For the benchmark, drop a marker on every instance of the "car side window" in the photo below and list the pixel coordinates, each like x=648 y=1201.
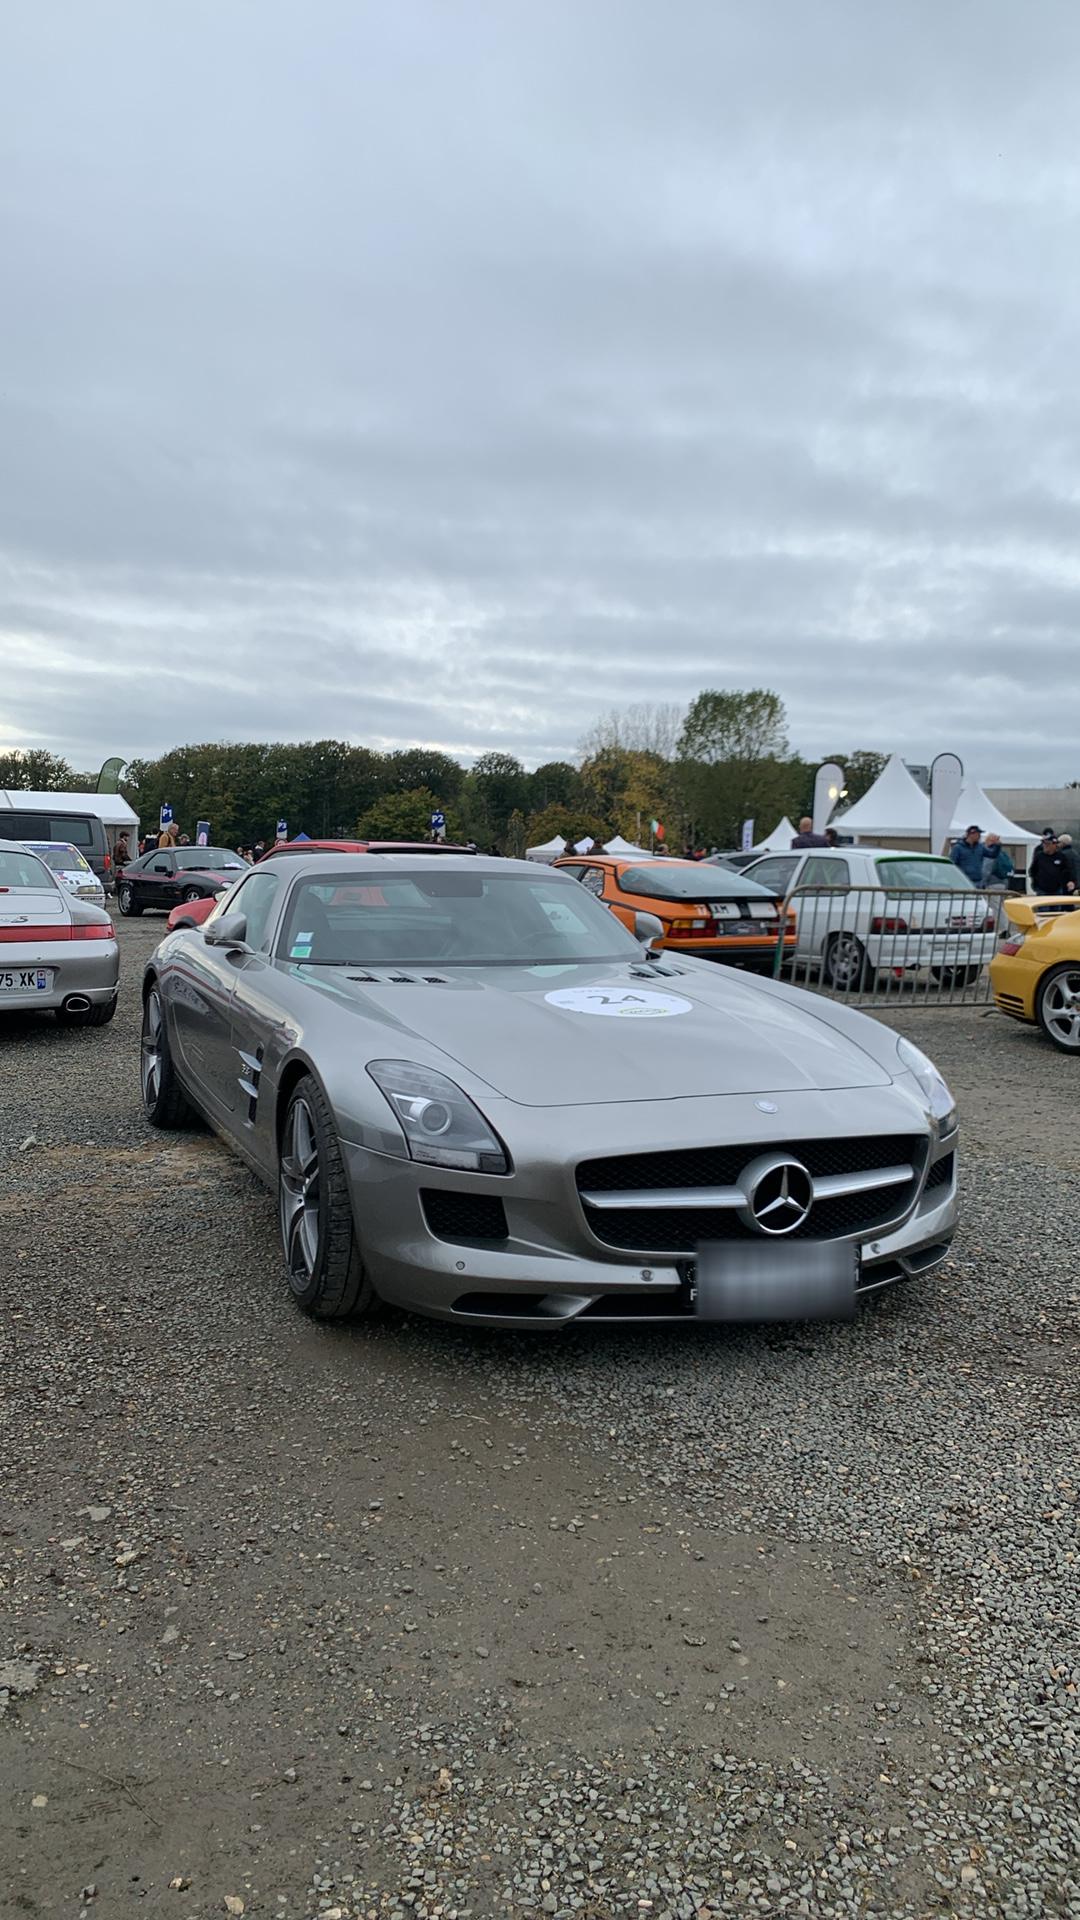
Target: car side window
x=777 y=873
x=593 y=880
x=574 y=873
x=825 y=873
x=162 y=863
x=256 y=898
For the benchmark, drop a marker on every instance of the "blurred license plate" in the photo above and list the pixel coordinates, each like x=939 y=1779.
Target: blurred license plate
x=25 y=980
x=793 y=1281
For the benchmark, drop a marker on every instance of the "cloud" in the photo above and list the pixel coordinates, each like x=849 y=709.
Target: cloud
x=449 y=375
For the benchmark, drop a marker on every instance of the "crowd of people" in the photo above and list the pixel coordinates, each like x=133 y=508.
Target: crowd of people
x=1054 y=869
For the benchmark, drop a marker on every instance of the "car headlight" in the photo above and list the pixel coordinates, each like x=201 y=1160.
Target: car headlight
x=441 y=1125
x=938 y=1096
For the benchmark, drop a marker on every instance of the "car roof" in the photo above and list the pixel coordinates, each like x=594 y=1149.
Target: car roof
x=23 y=846
x=437 y=847
x=329 y=862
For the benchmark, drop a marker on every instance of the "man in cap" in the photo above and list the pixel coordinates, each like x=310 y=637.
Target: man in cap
x=1050 y=870
x=969 y=853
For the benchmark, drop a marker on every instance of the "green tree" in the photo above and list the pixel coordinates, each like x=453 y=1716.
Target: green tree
x=497 y=786
x=734 y=726
x=570 y=823
x=409 y=768
x=404 y=816
x=555 y=784
x=36 y=770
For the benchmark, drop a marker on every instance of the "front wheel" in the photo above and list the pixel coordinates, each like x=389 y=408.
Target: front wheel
x=322 y=1258
x=1057 y=1007
x=164 y=1100
x=845 y=964
x=125 y=900
x=189 y=894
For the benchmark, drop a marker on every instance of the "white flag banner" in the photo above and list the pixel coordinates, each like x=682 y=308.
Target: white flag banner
x=747 y=836
x=828 y=790
x=946 y=782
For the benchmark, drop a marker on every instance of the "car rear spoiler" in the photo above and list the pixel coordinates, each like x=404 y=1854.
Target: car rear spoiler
x=1027 y=910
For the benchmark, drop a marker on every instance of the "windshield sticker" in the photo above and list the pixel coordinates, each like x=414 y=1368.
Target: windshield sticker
x=619 y=1003
x=301 y=948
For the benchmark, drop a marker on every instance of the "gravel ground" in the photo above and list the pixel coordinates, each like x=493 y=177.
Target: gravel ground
x=413 y=1621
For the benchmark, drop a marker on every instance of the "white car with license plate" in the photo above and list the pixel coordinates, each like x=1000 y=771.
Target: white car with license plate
x=72 y=871
x=866 y=910
x=57 y=953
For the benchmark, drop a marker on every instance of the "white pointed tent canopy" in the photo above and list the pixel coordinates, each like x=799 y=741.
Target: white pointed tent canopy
x=625 y=850
x=894 y=808
x=973 y=809
x=550 y=850
x=779 y=840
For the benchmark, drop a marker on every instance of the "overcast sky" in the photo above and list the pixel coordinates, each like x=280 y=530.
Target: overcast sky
x=433 y=372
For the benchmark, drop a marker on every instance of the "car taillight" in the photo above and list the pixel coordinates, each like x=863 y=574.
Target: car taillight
x=108 y=863
x=93 y=932
x=1012 y=946
x=685 y=929
x=989 y=923
x=885 y=925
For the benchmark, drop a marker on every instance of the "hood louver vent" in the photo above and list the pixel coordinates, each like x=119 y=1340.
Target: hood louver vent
x=401 y=979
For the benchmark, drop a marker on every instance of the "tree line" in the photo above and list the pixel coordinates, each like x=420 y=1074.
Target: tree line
x=700 y=772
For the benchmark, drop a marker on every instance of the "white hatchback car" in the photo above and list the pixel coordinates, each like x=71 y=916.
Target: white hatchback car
x=873 y=909
x=72 y=871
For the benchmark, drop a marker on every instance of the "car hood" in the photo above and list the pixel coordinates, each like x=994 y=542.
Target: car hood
x=564 y=1036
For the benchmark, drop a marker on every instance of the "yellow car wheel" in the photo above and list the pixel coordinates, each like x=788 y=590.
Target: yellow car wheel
x=1057 y=1006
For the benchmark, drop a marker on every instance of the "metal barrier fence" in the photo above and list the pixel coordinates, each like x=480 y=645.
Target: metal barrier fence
x=875 y=947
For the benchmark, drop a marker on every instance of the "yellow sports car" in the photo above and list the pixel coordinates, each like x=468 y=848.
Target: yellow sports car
x=1035 y=973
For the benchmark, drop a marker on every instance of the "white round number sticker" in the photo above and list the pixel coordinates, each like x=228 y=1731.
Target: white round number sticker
x=619 y=1003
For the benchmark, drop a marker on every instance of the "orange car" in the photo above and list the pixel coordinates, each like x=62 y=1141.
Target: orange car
x=710 y=911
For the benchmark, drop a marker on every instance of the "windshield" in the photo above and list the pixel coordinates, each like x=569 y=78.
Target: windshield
x=690 y=883
x=19 y=870
x=62 y=859
x=449 y=919
x=941 y=875
x=208 y=859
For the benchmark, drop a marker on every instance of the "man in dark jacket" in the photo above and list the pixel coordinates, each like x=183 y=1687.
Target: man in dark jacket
x=969 y=853
x=1050 y=870
x=806 y=837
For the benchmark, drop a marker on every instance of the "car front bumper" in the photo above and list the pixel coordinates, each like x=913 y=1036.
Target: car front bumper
x=549 y=1270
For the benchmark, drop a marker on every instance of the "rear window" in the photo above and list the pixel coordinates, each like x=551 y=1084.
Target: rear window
x=917 y=874
x=19 y=870
x=657 y=882
x=63 y=859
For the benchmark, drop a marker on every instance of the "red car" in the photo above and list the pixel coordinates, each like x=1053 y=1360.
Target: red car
x=192 y=913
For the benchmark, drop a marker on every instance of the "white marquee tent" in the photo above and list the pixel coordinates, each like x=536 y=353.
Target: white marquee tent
x=779 y=840
x=894 y=808
x=974 y=809
x=550 y=850
x=625 y=850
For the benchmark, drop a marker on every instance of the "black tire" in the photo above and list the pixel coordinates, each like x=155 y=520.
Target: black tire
x=845 y=966
x=98 y=1016
x=125 y=900
x=1057 y=1007
x=956 y=976
x=165 y=1103
x=322 y=1259
x=189 y=894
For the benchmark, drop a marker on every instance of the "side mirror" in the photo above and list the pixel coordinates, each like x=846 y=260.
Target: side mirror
x=229 y=931
x=648 y=929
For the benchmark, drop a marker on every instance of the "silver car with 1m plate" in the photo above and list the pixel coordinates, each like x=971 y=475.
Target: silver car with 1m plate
x=478 y=1096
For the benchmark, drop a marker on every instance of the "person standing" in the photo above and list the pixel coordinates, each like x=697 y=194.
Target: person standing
x=1070 y=857
x=121 y=851
x=997 y=864
x=969 y=854
x=1049 y=872
x=806 y=837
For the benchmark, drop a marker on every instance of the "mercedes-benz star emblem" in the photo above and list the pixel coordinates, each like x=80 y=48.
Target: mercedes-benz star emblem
x=779 y=1194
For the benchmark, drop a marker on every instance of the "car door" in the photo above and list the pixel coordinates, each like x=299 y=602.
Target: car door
x=200 y=984
x=256 y=1014
x=156 y=886
x=834 y=907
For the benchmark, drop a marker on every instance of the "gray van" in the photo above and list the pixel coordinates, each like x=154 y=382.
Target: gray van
x=83 y=830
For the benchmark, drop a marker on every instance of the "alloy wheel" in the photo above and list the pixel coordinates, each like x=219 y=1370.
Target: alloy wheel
x=1061 y=1009
x=301 y=1195
x=151 y=1049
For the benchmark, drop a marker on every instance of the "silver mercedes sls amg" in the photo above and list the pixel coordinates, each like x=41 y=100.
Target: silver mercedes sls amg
x=478 y=1096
